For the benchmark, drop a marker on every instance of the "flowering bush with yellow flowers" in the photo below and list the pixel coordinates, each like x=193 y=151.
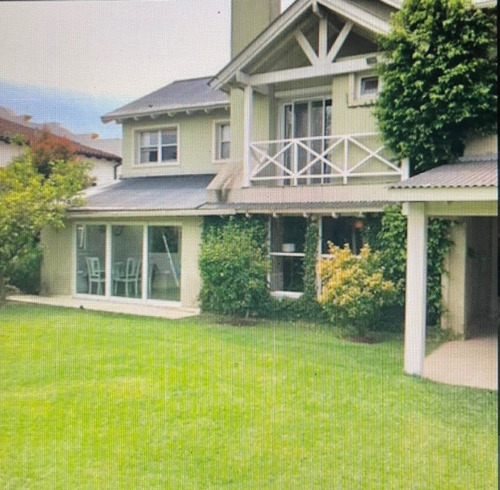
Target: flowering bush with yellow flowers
x=353 y=289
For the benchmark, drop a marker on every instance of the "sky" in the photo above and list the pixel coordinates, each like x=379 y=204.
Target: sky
x=73 y=61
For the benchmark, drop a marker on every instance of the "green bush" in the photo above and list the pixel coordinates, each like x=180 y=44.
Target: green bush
x=26 y=271
x=354 y=291
x=386 y=234
x=234 y=267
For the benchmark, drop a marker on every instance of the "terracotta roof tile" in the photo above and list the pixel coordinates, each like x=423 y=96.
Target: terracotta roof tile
x=9 y=129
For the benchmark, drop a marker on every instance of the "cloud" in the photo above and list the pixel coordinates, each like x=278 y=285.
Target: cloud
x=109 y=49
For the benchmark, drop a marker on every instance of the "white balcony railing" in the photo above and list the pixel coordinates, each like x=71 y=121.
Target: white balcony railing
x=321 y=160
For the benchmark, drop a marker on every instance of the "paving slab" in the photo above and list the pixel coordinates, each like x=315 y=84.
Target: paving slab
x=472 y=363
x=168 y=312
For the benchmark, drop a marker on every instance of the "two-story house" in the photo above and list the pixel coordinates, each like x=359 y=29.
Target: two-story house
x=284 y=130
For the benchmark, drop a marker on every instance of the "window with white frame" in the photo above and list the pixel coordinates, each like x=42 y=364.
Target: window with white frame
x=287 y=247
x=159 y=146
x=222 y=140
x=368 y=86
x=363 y=88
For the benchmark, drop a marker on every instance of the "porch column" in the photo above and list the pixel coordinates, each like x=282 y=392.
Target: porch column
x=416 y=285
x=247 y=132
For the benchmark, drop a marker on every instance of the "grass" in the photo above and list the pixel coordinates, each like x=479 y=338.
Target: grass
x=91 y=400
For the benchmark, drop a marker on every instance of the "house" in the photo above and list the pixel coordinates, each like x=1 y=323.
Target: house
x=13 y=130
x=286 y=130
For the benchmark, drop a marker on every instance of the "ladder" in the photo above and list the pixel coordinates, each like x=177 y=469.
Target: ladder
x=170 y=261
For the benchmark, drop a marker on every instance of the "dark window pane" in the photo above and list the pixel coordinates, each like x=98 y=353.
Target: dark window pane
x=169 y=154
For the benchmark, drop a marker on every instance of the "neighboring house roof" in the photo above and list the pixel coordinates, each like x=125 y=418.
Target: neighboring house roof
x=9 y=129
x=181 y=95
x=472 y=171
x=182 y=192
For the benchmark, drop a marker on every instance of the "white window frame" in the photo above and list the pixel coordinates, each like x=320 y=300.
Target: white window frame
x=108 y=294
x=158 y=163
x=217 y=140
x=355 y=96
x=370 y=94
x=280 y=120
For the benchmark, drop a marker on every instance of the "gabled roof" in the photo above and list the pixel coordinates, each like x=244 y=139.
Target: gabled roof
x=10 y=129
x=368 y=14
x=468 y=172
x=181 y=95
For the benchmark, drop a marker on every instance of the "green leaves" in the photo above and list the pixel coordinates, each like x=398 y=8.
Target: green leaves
x=233 y=266
x=439 y=80
x=30 y=200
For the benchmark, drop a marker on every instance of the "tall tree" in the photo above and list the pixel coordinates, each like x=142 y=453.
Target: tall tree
x=439 y=80
x=29 y=200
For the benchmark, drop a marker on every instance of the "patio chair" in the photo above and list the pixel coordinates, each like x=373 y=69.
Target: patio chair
x=95 y=274
x=130 y=275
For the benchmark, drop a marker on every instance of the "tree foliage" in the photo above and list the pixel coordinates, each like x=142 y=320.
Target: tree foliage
x=29 y=200
x=439 y=80
x=48 y=147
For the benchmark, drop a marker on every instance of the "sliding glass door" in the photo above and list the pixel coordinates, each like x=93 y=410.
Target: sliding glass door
x=164 y=263
x=129 y=261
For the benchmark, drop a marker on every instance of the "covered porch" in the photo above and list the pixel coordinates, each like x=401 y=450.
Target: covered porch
x=466 y=193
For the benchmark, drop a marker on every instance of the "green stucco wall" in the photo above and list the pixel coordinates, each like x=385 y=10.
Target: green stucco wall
x=57 y=276
x=248 y=19
x=195 y=144
x=349 y=116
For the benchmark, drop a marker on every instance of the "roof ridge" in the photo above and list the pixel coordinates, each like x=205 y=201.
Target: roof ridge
x=9 y=128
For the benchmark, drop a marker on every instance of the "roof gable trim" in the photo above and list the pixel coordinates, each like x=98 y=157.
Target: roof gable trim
x=352 y=14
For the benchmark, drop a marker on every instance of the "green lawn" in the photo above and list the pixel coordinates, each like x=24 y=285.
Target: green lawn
x=91 y=400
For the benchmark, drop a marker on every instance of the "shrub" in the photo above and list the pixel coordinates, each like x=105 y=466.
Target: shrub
x=234 y=267
x=386 y=234
x=354 y=291
x=25 y=274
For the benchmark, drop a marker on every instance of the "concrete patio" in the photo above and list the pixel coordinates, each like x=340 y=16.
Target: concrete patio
x=127 y=308
x=472 y=363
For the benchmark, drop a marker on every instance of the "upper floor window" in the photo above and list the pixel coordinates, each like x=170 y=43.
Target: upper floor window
x=222 y=140
x=368 y=86
x=363 y=89
x=159 y=146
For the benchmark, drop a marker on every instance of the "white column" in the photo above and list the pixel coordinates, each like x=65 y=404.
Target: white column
x=108 y=285
x=247 y=132
x=145 y=292
x=416 y=284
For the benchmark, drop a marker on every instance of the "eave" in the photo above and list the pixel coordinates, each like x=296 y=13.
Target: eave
x=170 y=111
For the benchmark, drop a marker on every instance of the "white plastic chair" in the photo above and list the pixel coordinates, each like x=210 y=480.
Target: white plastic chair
x=95 y=274
x=131 y=275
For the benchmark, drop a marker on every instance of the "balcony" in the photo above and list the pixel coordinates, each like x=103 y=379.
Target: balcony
x=322 y=160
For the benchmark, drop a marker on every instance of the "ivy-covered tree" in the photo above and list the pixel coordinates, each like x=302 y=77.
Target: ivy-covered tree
x=439 y=80
x=29 y=200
